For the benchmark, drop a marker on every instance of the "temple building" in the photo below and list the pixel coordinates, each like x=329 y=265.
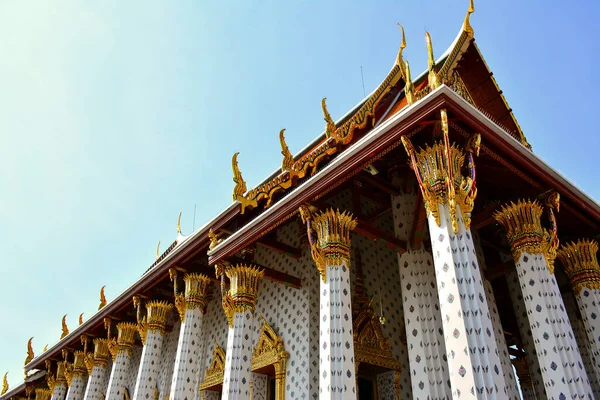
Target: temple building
x=417 y=249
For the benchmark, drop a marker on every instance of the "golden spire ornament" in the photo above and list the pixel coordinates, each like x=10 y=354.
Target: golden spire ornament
x=4 y=384
x=467 y=24
x=30 y=353
x=288 y=159
x=102 y=299
x=330 y=124
x=45 y=348
x=65 y=329
x=432 y=77
x=158 y=250
x=81 y=319
x=399 y=60
x=179 y=224
x=240 y=185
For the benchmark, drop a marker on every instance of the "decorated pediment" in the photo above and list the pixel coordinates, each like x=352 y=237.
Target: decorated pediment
x=270 y=349
x=216 y=370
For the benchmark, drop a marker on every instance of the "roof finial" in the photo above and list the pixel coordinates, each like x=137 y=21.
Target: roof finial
x=240 y=185
x=467 y=24
x=409 y=88
x=102 y=299
x=30 y=353
x=402 y=47
x=4 y=385
x=45 y=348
x=179 y=224
x=288 y=159
x=65 y=329
x=157 y=249
x=432 y=78
x=330 y=127
x=81 y=319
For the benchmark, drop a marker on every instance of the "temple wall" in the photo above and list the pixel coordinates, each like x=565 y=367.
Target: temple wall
x=169 y=353
x=106 y=377
x=133 y=369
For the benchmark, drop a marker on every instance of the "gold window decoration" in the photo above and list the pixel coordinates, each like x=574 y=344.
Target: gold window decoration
x=270 y=351
x=216 y=371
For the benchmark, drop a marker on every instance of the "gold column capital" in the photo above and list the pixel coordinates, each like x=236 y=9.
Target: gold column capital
x=581 y=264
x=78 y=367
x=439 y=172
x=522 y=222
x=125 y=339
x=101 y=352
x=157 y=314
x=333 y=238
x=43 y=394
x=243 y=289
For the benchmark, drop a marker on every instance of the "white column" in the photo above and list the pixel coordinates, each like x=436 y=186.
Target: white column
x=581 y=265
x=534 y=249
x=95 y=388
x=473 y=359
x=511 y=390
x=422 y=318
x=191 y=307
x=153 y=328
x=76 y=375
x=239 y=304
x=532 y=381
x=329 y=237
x=122 y=353
x=60 y=391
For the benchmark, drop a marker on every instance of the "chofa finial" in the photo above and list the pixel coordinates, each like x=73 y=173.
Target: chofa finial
x=81 y=319
x=240 y=185
x=467 y=24
x=179 y=224
x=4 y=384
x=65 y=329
x=432 y=78
x=330 y=127
x=158 y=250
x=402 y=47
x=288 y=159
x=30 y=353
x=102 y=299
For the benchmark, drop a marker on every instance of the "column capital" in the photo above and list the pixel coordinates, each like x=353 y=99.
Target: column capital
x=581 y=264
x=439 y=172
x=43 y=394
x=523 y=224
x=77 y=369
x=329 y=236
x=156 y=317
x=196 y=292
x=243 y=289
x=101 y=352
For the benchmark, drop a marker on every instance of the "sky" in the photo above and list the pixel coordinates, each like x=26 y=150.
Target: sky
x=116 y=116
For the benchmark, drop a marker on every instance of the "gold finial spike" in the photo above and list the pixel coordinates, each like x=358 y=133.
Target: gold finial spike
x=102 y=298
x=30 y=353
x=467 y=24
x=330 y=127
x=409 y=88
x=402 y=47
x=81 y=319
x=288 y=159
x=240 y=185
x=65 y=329
x=179 y=224
x=4 y=384
x=433 y=79
x=158 y=250
x=45 y=348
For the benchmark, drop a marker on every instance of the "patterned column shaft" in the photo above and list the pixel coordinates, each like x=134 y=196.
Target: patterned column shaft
x=153 y=328
x=581 y=265
x=471 y=348
x=511 y=390
x=121 y=352
x=424 y=331
x=95 y=388
x=76 y=375
x=582 y=340
x=329 y=237
x=534 y=249
x=191 y=307
x=58 y=384
x=531 y=379
x=239 y=304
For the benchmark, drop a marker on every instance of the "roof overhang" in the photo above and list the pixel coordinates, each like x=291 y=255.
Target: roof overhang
x=387 y=135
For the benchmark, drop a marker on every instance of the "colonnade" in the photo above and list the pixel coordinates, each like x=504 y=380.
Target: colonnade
x=454 y=336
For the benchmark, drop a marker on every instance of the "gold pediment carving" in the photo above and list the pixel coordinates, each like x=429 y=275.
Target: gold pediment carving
x=270 y=350
x=216 y=370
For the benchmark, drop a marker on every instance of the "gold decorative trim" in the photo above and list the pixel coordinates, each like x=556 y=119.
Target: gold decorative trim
x=581 y=264
x=142 y=325
x=335 y=138
x=216 y=370
x=522 y=222
x=439 y=172
x=270 y=350
x=329 y=236
x=243 y=290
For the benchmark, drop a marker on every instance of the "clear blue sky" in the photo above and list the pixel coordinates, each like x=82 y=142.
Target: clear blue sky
x=115 y=116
